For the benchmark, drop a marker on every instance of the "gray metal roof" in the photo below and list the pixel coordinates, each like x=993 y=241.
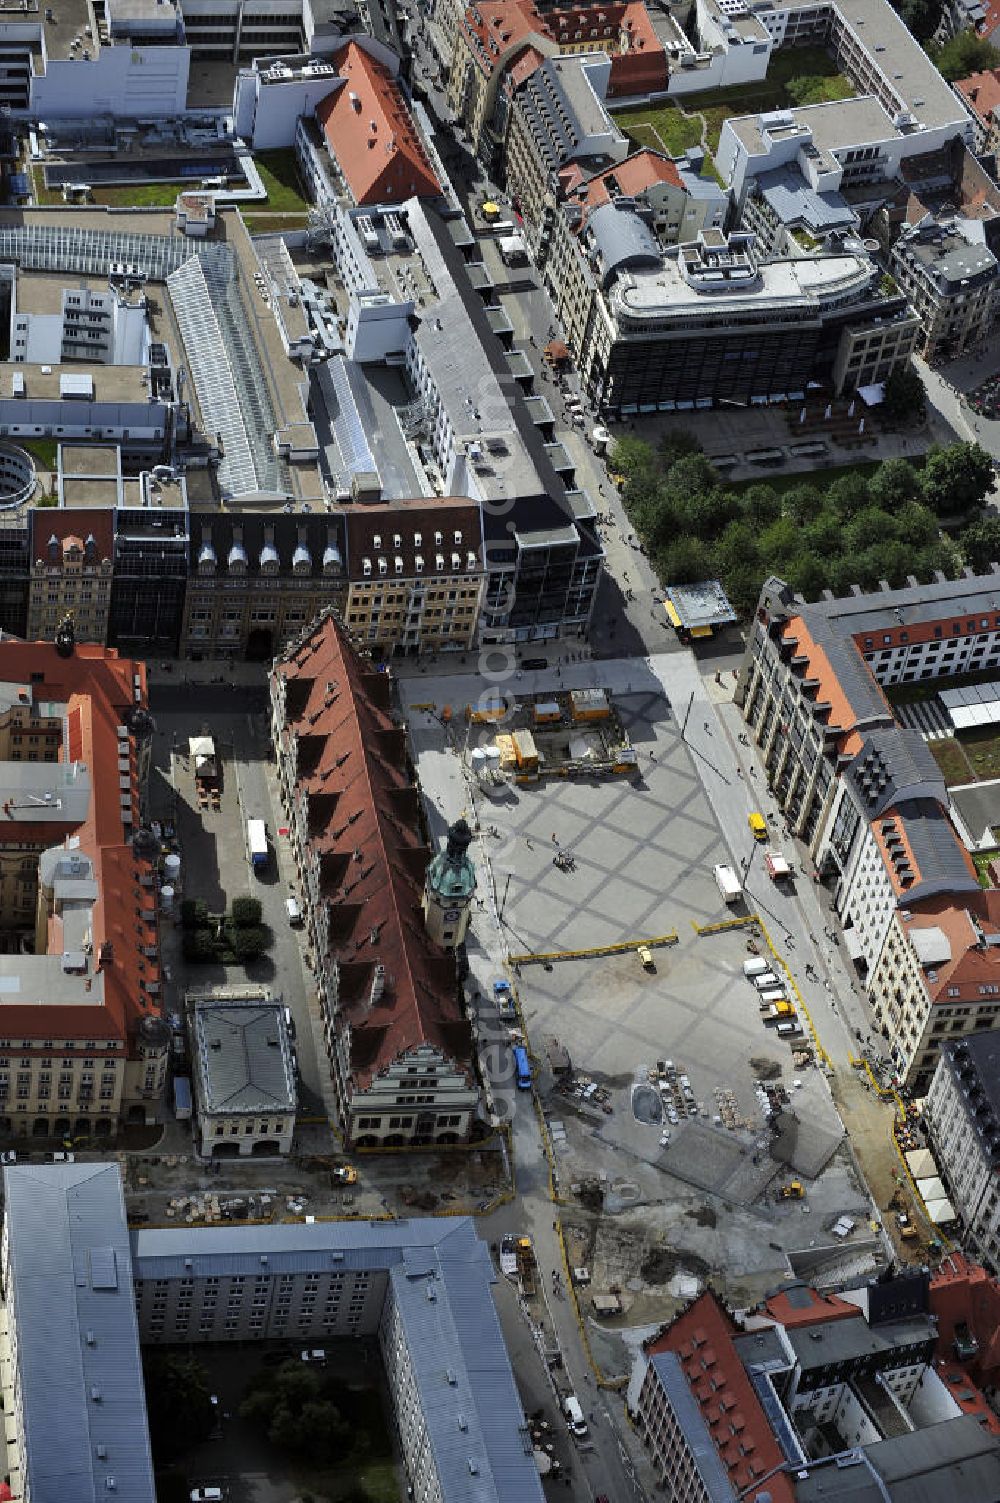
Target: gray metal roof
x=77 y=1339
x=974 y=1065
x=794 y=201
x=956 y=1458
x=468 y=1396
x=623 y=238
x=893 y=764
x=941 y=862
x=856 y=1340
x=711 y=1473
x=243 y=1058
x=162 y=1252
x=454 y=1335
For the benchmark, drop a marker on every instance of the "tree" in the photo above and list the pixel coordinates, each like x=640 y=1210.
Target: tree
x=675 y=444
x=848 y=494
x=707 y=513
x=781 y=541
x=633 y=457
x=685 y=561
x=867 y=528
x=246 y=911
x=248 y=942
x=198 y=946
x=802 y=503
x=917 y=525
x=965 y=54
x=737 y=548
x=179 y=1404
x=905 y=398
x=824 y=535
x=920 y=16
x=761 y=504
x=807 y=574
x=957 y=479
x=194 y=913
x=980 y=543
x=294 y=1409
x=894 y=483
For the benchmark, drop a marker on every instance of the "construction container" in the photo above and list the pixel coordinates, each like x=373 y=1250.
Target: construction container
x=547 y=712
x=589 y=704
x=525 y=751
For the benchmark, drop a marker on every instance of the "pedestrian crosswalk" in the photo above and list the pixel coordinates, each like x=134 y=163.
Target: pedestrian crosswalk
x=929 y=717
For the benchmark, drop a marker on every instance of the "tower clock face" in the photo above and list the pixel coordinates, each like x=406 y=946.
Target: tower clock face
x=452 y=915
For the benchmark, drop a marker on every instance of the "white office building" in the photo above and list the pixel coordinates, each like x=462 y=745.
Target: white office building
x=962 y=1112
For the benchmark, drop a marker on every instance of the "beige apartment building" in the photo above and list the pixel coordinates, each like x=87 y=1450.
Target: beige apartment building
x=416 y=575
x=72 y=561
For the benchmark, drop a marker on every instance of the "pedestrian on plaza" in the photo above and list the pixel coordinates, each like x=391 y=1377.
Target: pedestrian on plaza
x=555 y=838
x=528 y=842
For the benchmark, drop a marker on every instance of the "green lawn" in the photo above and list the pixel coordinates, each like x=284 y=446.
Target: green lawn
x=818 y=478
x=982 y=748
x=280 y=175
x=42 y=450
x=797 y=75
x=666 y=128
x=140 y=195
x=272 y=224
x=981 y=861
x=951 y=760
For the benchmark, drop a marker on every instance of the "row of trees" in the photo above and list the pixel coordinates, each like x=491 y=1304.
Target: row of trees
x=859 y=529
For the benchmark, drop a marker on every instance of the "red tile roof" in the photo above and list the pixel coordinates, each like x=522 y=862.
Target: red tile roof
x=372 y=135
x=365 y=821
x=981 y=92
x=810 y=1307
x=97 y=691
x=628 y=179
x=79 y=522
x=964 y=1294
x=642 y=66
x=495 y=27
x=702 y=1338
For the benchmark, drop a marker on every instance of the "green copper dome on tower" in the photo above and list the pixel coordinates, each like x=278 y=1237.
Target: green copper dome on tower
x=451 y=874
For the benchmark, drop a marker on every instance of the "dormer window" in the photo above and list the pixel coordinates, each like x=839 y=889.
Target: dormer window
x=377 y=540
x=418 y=564
x=470 y=560
x=366 y=567
x=383 y=566
x=397 y=540
x=399 y=564
x=458 y=539
x=438 y=539
x=418 y=540
x=439 y=562
x=456 y=561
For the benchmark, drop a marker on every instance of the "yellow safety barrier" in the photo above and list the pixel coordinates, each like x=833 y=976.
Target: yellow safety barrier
x=720 y=928
x=430 y=706
x=602 y=1381
x=820 y=1051
x=536 y=957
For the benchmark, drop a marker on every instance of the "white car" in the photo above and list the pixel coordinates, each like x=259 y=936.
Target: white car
x=206 y=1495
x=315 y=1354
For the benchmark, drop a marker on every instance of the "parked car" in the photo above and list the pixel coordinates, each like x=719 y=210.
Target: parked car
x=316 y=1354
x=294 y=912
x=206 y=1495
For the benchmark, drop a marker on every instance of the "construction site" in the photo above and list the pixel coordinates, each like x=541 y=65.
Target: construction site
x=564 y=734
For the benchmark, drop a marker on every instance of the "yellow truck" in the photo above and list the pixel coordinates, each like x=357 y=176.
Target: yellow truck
x=758 y=826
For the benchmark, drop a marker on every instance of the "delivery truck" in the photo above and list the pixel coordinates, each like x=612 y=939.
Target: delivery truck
x=257 y=844
x=727 y=883
x=777 y=867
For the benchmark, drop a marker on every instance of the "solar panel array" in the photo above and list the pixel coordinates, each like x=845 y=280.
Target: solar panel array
x=212 y=375
x=972 y=705
x=347 y=426
x=92 y=252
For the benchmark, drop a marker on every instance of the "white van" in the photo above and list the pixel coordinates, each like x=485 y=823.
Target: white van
x=765 y=981
x=574 y=1415
x=294 y=912
x=754 y=967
